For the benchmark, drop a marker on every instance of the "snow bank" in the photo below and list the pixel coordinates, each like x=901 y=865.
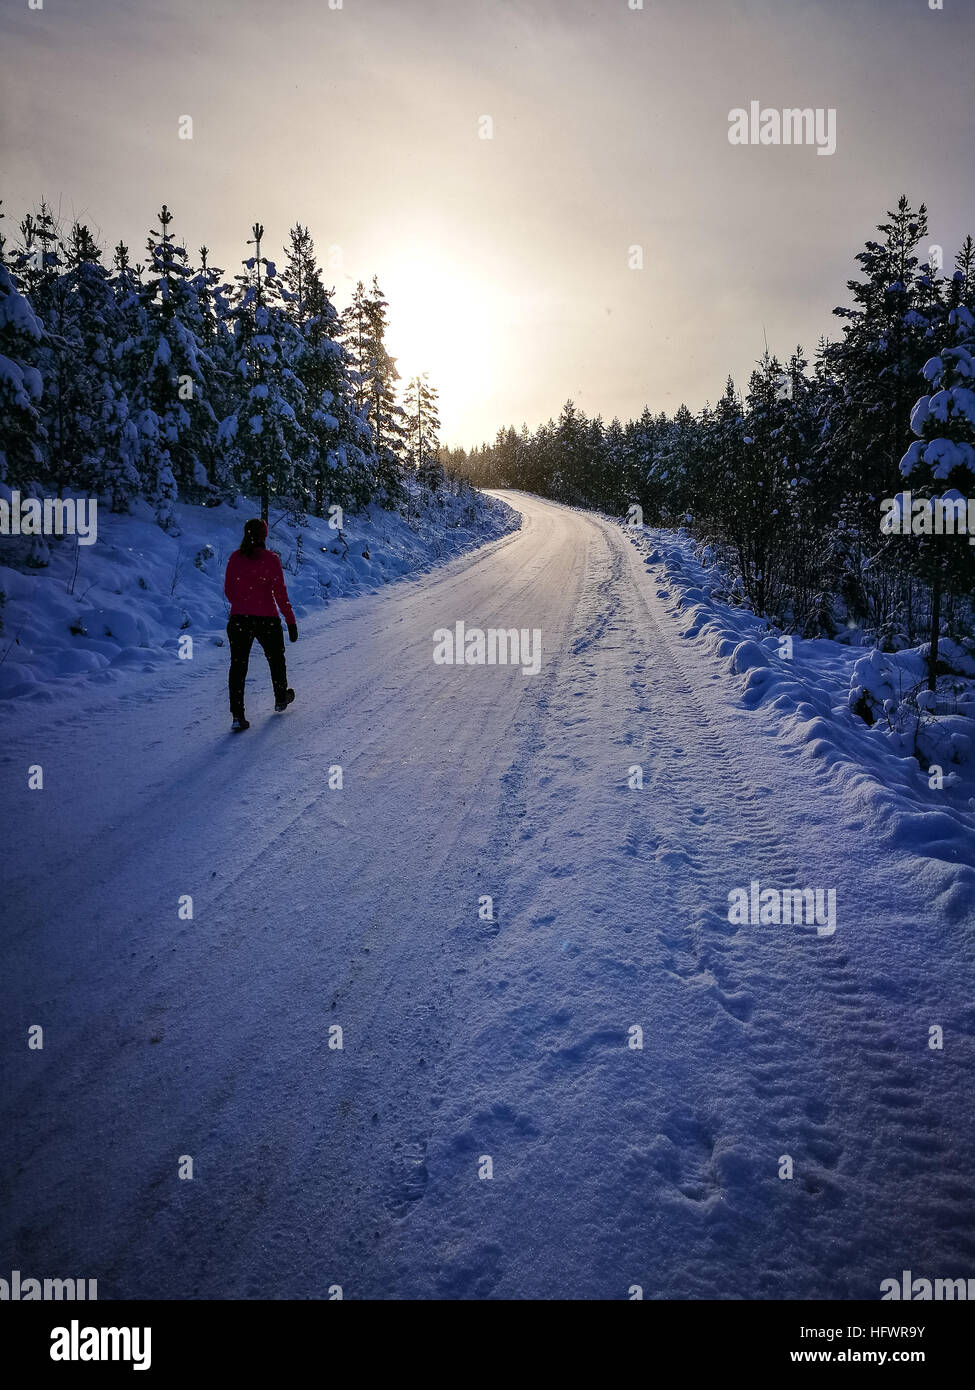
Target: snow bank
x=122 y=604
x=910 y=773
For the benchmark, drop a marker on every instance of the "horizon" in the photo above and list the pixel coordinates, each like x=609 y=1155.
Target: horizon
x=506 y=261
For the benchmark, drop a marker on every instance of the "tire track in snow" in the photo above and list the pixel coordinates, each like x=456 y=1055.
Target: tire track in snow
x=611 y=1166
x=892 y=1097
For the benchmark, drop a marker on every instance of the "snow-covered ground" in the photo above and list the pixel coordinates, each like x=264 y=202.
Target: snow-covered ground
x=99 y=612
x=608 y=806
x=911 y=772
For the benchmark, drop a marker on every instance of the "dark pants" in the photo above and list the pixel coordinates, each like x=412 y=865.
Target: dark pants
x=242 y=630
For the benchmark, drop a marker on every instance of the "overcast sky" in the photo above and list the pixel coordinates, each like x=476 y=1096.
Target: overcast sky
x=505 y=260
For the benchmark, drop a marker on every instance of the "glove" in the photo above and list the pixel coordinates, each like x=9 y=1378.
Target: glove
x=293 y=631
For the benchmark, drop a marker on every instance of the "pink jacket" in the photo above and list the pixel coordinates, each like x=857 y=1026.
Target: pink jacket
x=255 y=586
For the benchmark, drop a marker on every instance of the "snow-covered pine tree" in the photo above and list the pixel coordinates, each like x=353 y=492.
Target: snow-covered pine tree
x=873 y=370
x=595 y=460
x=21 y=384
x=718 y=505
x=122 y=476
x=39 y=266
x=506 y=461
x=355 y=336
x=38 y=259
x=211 y=293
x=365 y=325
x=301 y=281
x=940 y=464
x=807 y=514
x=262 y=434
x=99 y=404
x=763 y=485
x=211 y=297
x=571 y=449
x=169 y=369
x=675 y=460
x=422 y=407
x=339 y=439
x=543 y=460
x=640 y=445
x=961 y=288
x=615 y=490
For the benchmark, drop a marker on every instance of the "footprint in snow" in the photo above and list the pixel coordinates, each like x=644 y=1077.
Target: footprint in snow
x=408 y=1177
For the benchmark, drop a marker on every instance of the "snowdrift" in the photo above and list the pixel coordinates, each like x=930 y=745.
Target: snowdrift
x=909 y=775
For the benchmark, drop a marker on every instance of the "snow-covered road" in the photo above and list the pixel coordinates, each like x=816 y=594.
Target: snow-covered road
x=466 y=1039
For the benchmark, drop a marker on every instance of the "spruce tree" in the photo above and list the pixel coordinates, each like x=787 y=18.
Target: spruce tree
x=40 y=265
x=874 y=367
x=166 y=370
x=335 y=426
x=21 y=385
x=210 y=291
x=421 y=404
x=374 y=380
x=100 y=404
x=940 y=465
x=262 y=435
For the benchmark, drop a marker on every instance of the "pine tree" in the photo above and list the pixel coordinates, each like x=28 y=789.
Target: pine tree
x=421 y=403
x=615 y=482
x=722 y=464
x=961 y=290
x=20 y=382
x=100 y=409
x=262 y=435
x=374 y=381
x=886 y=339
x=641 y=439
x=810 y=550
x=167 y=370
x=595 y=461
x=567 y=477
x=40 y=265
x=764 y=487
x=940 y=463
x=506 y=466
x=213 y=307
x=338 y=461
x=123 y=479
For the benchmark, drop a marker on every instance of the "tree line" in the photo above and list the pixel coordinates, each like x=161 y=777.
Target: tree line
x=785 y=480
x=162 y=379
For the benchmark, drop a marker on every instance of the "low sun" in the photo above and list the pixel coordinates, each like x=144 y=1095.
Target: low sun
x=443 y=323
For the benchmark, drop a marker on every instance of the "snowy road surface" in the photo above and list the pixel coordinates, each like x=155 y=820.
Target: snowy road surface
x=466 y=1039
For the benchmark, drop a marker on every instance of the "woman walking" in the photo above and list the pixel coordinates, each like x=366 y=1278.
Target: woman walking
x=254 y=584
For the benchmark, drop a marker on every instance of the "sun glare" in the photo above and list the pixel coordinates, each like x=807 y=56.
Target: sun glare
x=442 y=322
